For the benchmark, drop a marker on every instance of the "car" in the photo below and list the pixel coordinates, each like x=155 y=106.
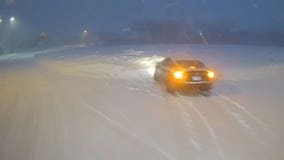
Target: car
x=184 y=74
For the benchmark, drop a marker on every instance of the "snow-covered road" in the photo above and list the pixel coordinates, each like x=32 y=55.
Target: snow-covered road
x=80 y=103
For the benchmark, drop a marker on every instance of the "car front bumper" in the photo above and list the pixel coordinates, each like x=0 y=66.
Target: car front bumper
x=197 y=83
x=191 y=85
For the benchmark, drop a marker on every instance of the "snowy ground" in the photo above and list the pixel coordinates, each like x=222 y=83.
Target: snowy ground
x=78 y=103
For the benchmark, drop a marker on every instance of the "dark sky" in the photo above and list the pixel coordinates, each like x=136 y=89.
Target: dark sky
x=70 y=16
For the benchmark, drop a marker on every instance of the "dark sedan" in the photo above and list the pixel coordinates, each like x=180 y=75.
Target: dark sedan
x=184 y=74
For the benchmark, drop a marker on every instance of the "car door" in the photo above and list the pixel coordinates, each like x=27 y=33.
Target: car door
x=165 y=68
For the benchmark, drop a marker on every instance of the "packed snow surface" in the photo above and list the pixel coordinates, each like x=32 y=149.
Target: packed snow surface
x=86 y=103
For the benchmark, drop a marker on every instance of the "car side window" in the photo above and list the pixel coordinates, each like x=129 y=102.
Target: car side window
x=168 y=62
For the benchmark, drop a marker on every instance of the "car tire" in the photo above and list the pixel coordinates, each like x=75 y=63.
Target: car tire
x=170 y=88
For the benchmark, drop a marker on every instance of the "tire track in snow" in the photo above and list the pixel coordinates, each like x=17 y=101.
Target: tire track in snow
x=126 y=130
x=241 y=120
x=190 y=126
x=211 y=131
x=250 y=115
x=237 y=117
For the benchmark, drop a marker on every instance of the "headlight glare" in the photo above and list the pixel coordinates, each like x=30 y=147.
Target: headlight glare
x=178 y=74
x=210 y=74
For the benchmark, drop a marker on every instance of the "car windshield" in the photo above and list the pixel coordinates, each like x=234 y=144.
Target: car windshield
x=190 y=63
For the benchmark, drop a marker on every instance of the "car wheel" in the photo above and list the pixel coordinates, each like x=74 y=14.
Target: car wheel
x=170 y=88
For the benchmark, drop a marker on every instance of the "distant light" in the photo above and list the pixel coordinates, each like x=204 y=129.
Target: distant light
x=12 y=19
x=254 y=5
x=85 y=31
x=10 y=1
x=0 y=20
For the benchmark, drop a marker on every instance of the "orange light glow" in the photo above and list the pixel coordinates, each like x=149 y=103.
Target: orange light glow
x=179 y=74
x=210 y=74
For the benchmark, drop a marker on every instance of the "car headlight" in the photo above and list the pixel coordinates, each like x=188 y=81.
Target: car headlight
x=210 y=74
x=179 y=74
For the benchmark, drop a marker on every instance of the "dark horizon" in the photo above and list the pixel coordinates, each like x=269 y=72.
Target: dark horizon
x=112 y=16
x=113 y=20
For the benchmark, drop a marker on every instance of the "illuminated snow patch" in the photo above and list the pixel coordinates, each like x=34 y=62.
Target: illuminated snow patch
x=151 y=70
x=132 y=52
x=16 y=56
x=148 y=63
